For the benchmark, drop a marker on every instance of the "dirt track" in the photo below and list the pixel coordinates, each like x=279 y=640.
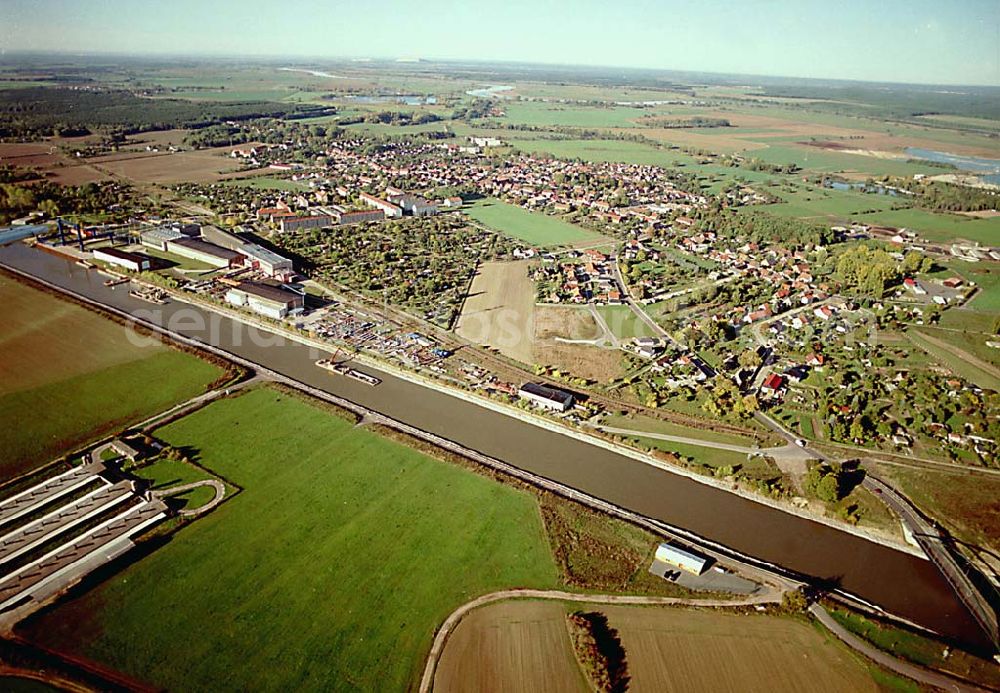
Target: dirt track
x=441 y=637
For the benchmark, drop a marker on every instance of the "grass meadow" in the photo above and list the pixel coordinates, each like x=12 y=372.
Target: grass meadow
x=530 y=227
x=331 y=569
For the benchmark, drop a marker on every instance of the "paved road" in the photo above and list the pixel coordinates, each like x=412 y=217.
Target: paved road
x=789 y=450
x=441 y=637
x=220 y=494
x=608 y=335
x=933 y=543
x=910 y=671
x=930 y=539
x=637 y=309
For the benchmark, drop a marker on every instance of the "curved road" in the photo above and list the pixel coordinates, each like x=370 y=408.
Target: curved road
x=789 y=450
x=933 y=543
x=910 y=671
x=220 y=494
x=441 y=637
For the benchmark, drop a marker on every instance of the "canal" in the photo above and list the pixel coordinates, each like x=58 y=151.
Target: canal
x=899 y=582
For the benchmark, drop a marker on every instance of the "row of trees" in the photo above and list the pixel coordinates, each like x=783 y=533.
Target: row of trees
x=695 y=122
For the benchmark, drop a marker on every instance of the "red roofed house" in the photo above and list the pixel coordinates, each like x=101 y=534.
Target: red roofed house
x=773 y=382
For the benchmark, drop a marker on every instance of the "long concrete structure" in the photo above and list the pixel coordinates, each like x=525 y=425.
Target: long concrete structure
x=46 y=491
x=33 y=534
x=30 y=585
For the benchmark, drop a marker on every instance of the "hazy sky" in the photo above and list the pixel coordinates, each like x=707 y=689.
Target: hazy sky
x=927 y=41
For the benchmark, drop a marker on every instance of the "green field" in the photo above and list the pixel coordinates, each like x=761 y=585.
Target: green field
x=540 y=113
x=266 y=183
x=943 y=228
x=164 y=473
x=960 y=366
x=604 y=150
x=623 y=322
x=68 y=376
x=836 y=205
x=807 y=201
x=703 y=455
x=331 y=569
x=987 y=276
x=398 y=130
x=827 y=161
x=531 y=227
x=645 y=423
x=971 y=342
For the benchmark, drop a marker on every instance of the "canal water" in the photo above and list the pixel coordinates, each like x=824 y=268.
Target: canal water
x=987 y=169
x=901 y=583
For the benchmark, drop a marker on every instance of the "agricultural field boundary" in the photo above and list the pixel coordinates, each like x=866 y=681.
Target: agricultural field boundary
x=771 y=596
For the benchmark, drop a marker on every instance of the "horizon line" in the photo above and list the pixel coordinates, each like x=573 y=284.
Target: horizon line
x=415 y=60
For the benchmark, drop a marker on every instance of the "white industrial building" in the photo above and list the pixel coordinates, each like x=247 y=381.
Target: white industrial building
x=266 y=261
x=122 y=258
x=203 y=251
x=546 y=397
x=411 y=204
x=159 y=237
x=681 y=558
x=254 y=256
x=266 y=299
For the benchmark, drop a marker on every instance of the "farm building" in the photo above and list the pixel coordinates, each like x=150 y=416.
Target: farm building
x=203 y=251
x=274 y=301
x=122 y=258
x=546 y=397
x=681 y=558
x=773 y=382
